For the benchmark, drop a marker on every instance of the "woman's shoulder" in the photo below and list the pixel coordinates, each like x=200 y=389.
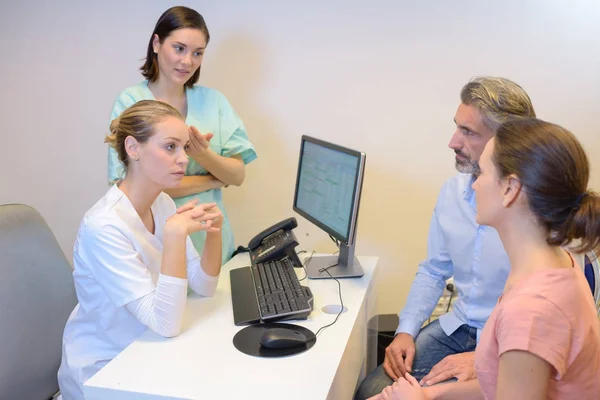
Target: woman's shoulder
x=135 y=93
x=562 y=290
x=129 y=97
x=205 y=93
x=104 y=213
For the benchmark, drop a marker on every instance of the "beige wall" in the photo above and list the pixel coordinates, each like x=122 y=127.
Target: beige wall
x=381 y=77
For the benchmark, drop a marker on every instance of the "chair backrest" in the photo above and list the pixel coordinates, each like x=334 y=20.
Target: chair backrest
x=592 y=273
x=36 y=297
x=591 y=268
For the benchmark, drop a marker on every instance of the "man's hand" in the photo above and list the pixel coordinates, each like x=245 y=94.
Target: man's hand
x=460 y=366
x=399 y=356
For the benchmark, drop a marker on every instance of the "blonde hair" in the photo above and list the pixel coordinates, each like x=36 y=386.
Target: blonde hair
x=499 y=100
x=138 y=122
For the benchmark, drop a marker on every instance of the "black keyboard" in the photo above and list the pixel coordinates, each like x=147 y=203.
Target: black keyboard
x=268 y=291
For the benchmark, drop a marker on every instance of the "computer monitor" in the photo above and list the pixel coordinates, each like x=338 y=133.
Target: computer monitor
x=328 y=187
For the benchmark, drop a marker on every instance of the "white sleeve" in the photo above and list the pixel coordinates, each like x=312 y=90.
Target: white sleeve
x=112 y=259
x=200 y=282
x=162 y=310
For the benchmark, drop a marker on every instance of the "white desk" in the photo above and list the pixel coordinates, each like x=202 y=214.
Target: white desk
x=202 y=363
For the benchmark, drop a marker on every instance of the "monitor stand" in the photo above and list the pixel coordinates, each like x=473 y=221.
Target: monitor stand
x=347 y=266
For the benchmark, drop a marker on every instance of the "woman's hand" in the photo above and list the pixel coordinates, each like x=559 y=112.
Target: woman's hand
x=405 y=388
x=199 y=143
x=191 y=218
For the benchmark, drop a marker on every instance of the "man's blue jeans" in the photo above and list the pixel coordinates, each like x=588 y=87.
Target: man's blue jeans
x=432 y=345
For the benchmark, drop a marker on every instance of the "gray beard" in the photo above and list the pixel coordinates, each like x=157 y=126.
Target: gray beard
x=468 y=168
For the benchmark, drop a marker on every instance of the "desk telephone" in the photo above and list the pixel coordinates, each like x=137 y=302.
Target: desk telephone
x=269 y=289
x=275 y=243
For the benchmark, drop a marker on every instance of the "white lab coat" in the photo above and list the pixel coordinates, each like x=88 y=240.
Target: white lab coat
x=116 y=261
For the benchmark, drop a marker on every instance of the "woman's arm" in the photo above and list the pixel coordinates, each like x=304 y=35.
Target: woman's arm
x=407 y=388
x=469 y=390
x=212 y=253
x=193 y=184
x=162 y=310
x=522 y=375
x=203 y=272
x=229 y=170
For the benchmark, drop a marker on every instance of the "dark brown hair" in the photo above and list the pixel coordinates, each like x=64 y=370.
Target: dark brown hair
x=554 y=171
x=174 y=18
x=138 y=122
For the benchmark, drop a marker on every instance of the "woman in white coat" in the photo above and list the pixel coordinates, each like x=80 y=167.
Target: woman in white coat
x=133 y=258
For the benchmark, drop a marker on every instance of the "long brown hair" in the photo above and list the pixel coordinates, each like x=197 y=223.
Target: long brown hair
x=554 y=171
x=174 y=18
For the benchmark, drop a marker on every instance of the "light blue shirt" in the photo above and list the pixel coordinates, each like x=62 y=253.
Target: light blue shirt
x=459 y=247
x=210 y=112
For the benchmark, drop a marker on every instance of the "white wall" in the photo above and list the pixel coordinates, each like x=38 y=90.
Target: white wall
x=382 y=77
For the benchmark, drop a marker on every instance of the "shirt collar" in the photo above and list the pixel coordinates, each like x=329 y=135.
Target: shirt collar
x=469 y=193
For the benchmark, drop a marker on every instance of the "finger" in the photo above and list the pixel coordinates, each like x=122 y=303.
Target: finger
x=213 y=214
x=207 y=206
x=441 y=377
x=435 y=371
x=397 y=361
x=408 y=361
x=387 y=393
x=194 y=134
x=202 y=209
x=208 y=136
x=462 y=376
x=187 y=206
x=411 y=379
x=388 y=369
x=393 y=363
x=204 y=143
x=194 y=131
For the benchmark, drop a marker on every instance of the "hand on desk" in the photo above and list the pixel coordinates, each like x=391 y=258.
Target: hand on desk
x=399 y=356
x=405 y=388
x=460 y=366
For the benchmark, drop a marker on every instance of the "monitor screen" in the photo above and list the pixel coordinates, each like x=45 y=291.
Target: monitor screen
x=328 y=187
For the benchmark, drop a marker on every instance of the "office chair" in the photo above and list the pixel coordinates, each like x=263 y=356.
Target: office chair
x=590 y=264
x=591 y=269
x=36 y=297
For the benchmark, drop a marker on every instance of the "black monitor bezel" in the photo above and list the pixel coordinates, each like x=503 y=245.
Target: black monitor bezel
x=361 y=157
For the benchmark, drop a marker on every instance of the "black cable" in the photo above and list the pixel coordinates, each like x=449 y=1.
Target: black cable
x=450 y=287
x=306 y=261
x=337 y=242
x=339 y=291
x=341 y=301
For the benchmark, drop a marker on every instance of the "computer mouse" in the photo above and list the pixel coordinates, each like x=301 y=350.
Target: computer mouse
x=282 y=338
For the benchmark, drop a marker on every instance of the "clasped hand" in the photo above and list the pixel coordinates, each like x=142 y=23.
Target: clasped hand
x=405 y=388
x=191 y=217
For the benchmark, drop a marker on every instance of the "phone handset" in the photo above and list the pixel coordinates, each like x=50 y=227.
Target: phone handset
x=275 y=242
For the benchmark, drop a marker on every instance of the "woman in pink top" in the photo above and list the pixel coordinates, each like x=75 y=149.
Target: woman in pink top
x=542 y=341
